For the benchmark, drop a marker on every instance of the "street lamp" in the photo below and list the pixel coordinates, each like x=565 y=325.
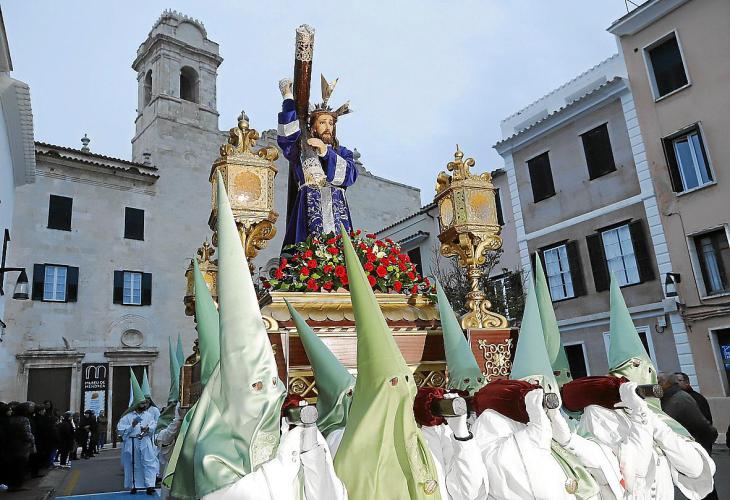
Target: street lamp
x=670 y=284
x=20 y=292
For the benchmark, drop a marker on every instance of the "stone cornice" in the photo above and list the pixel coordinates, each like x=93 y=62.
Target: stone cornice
x=150 y=45
x=643 y=16
x=96 y=168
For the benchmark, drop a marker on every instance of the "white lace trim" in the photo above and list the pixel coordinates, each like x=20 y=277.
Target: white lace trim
x=287 y=129
x=328 y=218
x=340 y=171
x=313 y=173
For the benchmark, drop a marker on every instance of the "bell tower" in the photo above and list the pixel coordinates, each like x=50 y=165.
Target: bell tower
x=176 y=78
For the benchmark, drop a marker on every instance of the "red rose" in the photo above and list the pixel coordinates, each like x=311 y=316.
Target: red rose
x=414 y=290
x=359 y=231
x=284 y=262
x=425 y=280
x=278 y=274
x=369 y=266
x=344 y=280
x=411 y=276
x=266 y=284
x=362 y=246
x=397 y=286
x=312 y=285
x=327 y=268
x=327 y=285
x=308 y=254
x=340 y=271
x=406 y=258
x=382 y=271
x=370 y=235
x=304 y=271
x=371 y=257
x=333 y=250
x=312 y=264
x=332 y=241
x=402 y=266
x=371 y=280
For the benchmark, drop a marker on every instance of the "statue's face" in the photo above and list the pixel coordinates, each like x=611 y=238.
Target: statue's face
x=324 y=128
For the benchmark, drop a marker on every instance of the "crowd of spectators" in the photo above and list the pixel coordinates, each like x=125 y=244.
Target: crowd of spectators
x=35 y=437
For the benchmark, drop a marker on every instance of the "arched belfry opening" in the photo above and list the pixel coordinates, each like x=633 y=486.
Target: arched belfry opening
x=189 y=84
x=148 y=87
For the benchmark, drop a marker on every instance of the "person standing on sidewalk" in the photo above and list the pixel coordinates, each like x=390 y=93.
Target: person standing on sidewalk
x=21 y=445
x=65 y=439
x=103 y=425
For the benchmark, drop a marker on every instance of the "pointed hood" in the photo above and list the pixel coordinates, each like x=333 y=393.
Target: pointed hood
x=334 y=383
x=553 y=342
x=174 y=394
x=180 y=353
x=464 y=372
x=207 y=319
x=628 y=358
x=382 y=453
x=531 y=357
x=241 y=425
x=146 y=389
x=137 y=393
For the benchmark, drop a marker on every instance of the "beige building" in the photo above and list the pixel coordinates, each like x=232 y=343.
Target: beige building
x=677 y=54
x=582 y=200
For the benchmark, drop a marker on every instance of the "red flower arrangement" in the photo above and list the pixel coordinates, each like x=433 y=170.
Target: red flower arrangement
x=318 y=264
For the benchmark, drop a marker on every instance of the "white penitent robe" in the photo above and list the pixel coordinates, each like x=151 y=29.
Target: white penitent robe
x=601 y=463
x=139 y=454
x=155 y=412
x=519 y=458
x=462 y=473
x=653 y=457
x=165 y=440
x=290 y=475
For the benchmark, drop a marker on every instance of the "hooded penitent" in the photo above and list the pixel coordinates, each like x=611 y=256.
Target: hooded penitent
x=627 y=356
x=146 y=389
x=382 y=453
x=240 y=429
x=137 y=393
x=553 y=342
x=174 y=394
x=532 y=364
x=179 y=475
x=334 y=383
x=180 y=353
x=464 y=372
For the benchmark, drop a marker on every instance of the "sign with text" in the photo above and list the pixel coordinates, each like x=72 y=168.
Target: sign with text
x=95 y=380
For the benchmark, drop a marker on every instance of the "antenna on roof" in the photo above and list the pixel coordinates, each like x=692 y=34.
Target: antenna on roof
x=627 y=2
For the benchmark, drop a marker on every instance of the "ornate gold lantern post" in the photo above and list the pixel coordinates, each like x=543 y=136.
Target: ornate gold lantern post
x=469 y=228
x=249 y=181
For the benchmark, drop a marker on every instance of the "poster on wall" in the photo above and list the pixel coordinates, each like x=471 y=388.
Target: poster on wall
x=95 y=379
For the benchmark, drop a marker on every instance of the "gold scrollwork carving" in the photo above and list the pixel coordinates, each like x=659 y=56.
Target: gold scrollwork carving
x=496 y=358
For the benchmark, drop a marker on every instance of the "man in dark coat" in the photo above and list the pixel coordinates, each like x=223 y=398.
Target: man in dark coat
x=682 y=407
x=87 y=424
x=65 y=439
x=683 y=381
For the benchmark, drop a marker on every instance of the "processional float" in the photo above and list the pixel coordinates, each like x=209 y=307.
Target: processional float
x=468 y=229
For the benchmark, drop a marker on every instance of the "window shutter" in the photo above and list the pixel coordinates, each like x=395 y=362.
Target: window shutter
x=599 y=266
x=542 y=260
x=118 y=286
x=576 y=269
x=39 y=277
x=641 y=251
x=672 y=166
x=146 y=289
x=72 y=283
x=498 y=200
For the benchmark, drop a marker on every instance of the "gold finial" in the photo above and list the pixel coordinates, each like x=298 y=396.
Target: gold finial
x=241 y=138
x=206 y=251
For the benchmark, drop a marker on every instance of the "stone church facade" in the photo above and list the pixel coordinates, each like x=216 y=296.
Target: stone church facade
x=106 y=241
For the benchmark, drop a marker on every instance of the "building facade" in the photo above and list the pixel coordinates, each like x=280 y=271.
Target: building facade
x=107 y=241
x=583 y=200
x=677 y=55
x=17 y=161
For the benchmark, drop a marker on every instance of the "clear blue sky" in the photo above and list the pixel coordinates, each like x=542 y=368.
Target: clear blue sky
x=421 y=75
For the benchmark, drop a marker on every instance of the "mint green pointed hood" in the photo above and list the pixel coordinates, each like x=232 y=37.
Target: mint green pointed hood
x=146 y=389
x=207 y=319
x=464 y=372
x=137 y=393
x=553 y=342
x=531 y=357
x=382 y=453
x=334 y=383
x=241 y=425
x=180 y=353
x=174 y=394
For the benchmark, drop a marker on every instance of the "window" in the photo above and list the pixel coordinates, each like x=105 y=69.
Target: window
x=415 y=255
x=714 y=258
x=498 y=202
x=687 y=160
x=563 y=270
x=505 y=293
x=188 y=84
x=133 y=223
x=576 y=360
x=148 y=87
x=723 y=344
x=622 y=250
x=132 y=288
x=597 y=148
x=644 y=336
x=55 y=283
x=541 y=177
x=59 y=212
x=558 y=273
x=666 y=66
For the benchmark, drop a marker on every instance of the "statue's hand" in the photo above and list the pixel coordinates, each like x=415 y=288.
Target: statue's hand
x=285 y=87
x=317 y=144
